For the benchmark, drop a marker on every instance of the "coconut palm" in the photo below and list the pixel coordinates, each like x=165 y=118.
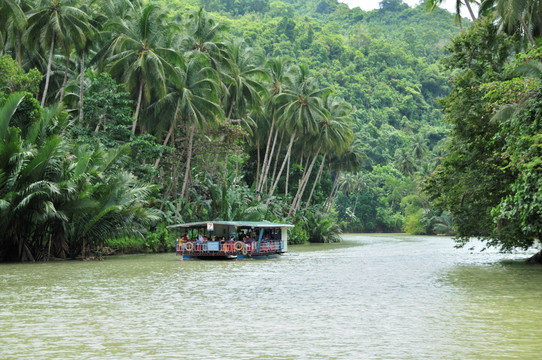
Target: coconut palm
x=192 y=100
x=243 y=77
x=516 y=14
x=139 y=56
x=12 y=24
x=404 y=161
x=354 y=184
x=349 y=161
x=335 y=135
x=56 y=21
x=279 y=71
x=419 y=147
x=300 y=110
x=203 y=34
x=432 y=4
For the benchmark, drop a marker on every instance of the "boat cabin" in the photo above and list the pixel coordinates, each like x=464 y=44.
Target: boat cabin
x=231 y=239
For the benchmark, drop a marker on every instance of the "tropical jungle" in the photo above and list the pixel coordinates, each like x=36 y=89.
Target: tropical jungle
x=121 y=117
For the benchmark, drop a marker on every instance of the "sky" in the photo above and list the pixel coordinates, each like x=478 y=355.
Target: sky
x=373 y=4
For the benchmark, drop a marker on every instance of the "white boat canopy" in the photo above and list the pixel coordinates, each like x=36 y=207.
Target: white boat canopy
x=252 y=224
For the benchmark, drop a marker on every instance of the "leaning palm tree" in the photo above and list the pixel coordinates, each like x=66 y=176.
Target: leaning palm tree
x=336 y=134
x=349 y=161
x=139 y=56
x=56 y=21
x=354 y=184
x=279 y=71
x=300 y=110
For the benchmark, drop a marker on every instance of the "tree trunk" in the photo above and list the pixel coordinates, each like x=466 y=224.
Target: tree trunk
x=276 y=160
x=231 y=110
x=49 y=247
x=48 y=74
x=19 y=42
x=265 y=158
x=170 y=131
x=81 y=86
x=65 y=81
x=331 y=197
x=288 y=152
x=258 y=165
x=187 y=170
x=225 y=168
x=304 y=181
x=102 y=116
x=473 y=17
x=527 y=32
x=236 y=167
x=318 y=176
x=356 y=202
x=138 y=107
x=269 y=160
x=287 y=178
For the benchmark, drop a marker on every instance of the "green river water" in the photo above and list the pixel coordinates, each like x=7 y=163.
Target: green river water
x=390 y=297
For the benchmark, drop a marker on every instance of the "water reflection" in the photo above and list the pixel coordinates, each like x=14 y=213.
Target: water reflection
x=394 y=297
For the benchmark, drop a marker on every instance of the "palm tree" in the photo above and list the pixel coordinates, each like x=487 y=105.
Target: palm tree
x=56 y=21
x=300 y=110
x=193 y=100
x=350 y=161
x=404 y=161
x=354 y=184
x=203 y=34
x=29 y=177
x=419 y=147
x=335 y=135
x=243 y=77
x=138 y=55
x=510 y=13
x=279 y=71
x=12 y=23
x=432 y=4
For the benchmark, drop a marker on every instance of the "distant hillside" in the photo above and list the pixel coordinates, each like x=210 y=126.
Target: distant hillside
x=384 y=62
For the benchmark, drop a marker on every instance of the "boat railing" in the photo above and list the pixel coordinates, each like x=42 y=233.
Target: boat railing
x=227 y=247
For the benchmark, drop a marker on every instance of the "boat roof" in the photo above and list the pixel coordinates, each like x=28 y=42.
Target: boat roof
x=254 y=224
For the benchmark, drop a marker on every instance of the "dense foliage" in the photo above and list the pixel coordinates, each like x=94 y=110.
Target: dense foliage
x=299 y=111
x=490 y=178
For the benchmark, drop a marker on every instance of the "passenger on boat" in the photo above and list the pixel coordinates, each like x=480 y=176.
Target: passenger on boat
x=200 y=238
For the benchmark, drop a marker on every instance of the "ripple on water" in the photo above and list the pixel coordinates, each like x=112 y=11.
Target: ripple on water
x=395 y=296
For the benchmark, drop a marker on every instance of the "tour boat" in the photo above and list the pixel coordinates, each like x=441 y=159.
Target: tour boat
x=231 y=239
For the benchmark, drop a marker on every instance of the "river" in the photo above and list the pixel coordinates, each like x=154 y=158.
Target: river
x=388 y=297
